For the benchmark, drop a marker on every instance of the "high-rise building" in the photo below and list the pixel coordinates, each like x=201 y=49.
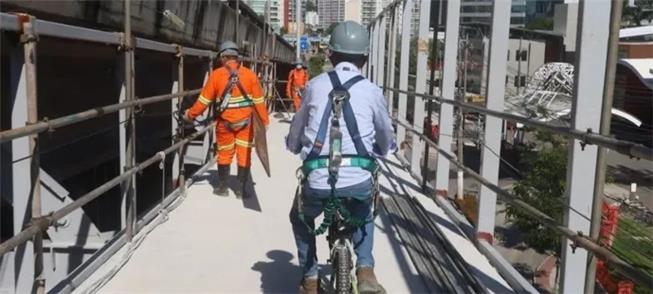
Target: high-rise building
x=480 y=11
x=291 y=4
x=290 y=7
x=330 y=11
x=353 y=10
x=369 y=11
x=541 y=9
x=312 y=19
x=277 y=17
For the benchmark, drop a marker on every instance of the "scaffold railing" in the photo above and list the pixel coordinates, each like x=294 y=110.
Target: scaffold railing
x=30 y=29
x=407 y=26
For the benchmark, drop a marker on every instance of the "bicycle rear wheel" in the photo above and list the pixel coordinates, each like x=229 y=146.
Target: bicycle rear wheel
x=342 y=270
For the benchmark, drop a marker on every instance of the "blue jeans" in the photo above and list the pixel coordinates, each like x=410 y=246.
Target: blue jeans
x=314 y=201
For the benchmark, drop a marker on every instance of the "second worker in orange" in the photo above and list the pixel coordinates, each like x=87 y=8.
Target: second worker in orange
x=297 y=79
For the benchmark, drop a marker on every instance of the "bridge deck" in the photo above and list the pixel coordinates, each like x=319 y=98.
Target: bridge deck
x=214 y=244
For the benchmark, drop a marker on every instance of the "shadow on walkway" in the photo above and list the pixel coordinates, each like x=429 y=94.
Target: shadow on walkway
x=278 y=275
x=252 y=202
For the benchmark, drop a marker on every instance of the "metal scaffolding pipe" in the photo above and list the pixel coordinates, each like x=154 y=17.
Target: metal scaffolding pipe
x=29 y=40
x=51 y=125
x=587 y=137
x=42 y=223
x=578 y=240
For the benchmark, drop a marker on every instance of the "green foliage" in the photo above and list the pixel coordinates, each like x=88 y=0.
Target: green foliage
x=315 y=64
x=540 y=24
x=634 y=244
x=310 y=6
x=633 y=16
x=330 y=28
x=284 y=30
x=412 y=67
x=542 y=187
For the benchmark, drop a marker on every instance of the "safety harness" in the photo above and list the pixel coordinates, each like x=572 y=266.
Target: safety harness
x=338 y=105
x=226 y=102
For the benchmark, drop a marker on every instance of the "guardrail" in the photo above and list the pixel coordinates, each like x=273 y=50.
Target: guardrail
x=578 y=239
x=29 y=29
x=391 y=39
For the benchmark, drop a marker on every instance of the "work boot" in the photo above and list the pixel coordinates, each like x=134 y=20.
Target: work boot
x=243 y=177
x=223 y=177
x=309 y=286
x=367 y=283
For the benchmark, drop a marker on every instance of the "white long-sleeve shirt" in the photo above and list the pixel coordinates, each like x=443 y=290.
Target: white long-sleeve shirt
x=374 y=125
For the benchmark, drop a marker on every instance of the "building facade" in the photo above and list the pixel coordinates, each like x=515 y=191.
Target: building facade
x=312 y=19
x=480 y=11
x=353 y=10
x=330 y=11
x=277 y=15
x=369 y=11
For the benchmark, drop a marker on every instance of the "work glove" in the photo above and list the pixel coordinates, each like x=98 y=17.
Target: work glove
x=186 y=118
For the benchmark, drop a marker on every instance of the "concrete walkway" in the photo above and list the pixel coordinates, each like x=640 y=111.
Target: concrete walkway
x=213 y=244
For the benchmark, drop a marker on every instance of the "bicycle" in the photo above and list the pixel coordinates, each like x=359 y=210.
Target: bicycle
x=343 y=279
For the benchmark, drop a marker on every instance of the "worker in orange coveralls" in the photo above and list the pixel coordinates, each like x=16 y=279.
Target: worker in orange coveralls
x=297 y=79
x=237 y=94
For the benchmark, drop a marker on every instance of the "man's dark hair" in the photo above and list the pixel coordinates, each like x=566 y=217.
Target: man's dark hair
x=357 y=59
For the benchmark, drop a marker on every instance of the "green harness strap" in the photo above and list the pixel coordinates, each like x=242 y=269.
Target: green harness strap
x=333 y=203
x=366 y=163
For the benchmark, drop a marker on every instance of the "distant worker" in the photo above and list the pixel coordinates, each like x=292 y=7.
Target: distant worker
x=297 y=80
x=237 y=94
x=365 y=131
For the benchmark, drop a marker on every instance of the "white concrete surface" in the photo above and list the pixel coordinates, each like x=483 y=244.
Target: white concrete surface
x=212 y=244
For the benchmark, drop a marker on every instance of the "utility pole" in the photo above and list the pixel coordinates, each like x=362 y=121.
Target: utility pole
x=298 y=19
x=606 y=117
x=238 y=23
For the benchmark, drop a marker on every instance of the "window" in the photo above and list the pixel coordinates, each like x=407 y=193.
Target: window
x=508 y=58
x=517 y=20
x=520 y=81
x=519 y=55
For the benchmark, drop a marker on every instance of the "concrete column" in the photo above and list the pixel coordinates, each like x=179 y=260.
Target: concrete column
x=403 y=67
x=392 y=56
x=496 y=87
x=372 y=66
x=380 y=51
x=448 y=89
x=22 y=266
x=592 y=50
x=420 y=84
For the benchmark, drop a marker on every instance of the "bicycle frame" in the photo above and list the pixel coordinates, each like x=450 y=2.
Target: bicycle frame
x=340 y=240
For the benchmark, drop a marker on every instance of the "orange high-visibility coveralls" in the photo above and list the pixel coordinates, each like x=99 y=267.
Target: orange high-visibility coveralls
x=297 y=79
x=234 y=128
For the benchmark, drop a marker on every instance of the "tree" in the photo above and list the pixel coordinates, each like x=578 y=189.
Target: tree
x=549 y=163
x=330 y=28
x=310 y=6
x=284 y=30
x=633 y=16
x=315 y=65
x=540 y=24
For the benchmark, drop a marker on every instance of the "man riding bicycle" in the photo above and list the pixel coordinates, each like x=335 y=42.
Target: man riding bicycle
x=366 y=131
